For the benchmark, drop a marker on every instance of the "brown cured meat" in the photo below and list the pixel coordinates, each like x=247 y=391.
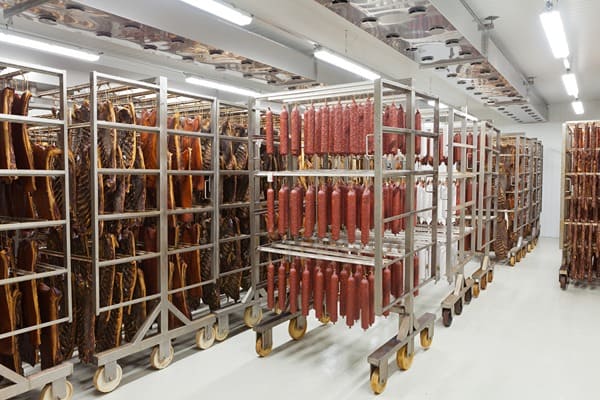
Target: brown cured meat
x=284 y=204
x=107 y=144
x=26 y=261
x=324 y=111
x=129 y=270
x=365 y=212
x=108 y=251
x=83 y=296
x=270 y=141
x=186 y=188
x=20 y=140
x=296 y=131
x=108 y=331
x=9 y=354
x=149 y=142
x=309 y=131
x=192 y=235
x=44 y=197
x=284 y=132
x=177 y=272
x=309 y=218
x=127 y=139
x=7 y=152
x=138 y=311
x=195 y=146
x=136 y=197
x=49 y=300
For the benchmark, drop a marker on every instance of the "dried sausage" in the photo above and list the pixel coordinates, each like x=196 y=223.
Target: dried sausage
x=284 y=205
x=318 y=130
x=295 y=211
x=332 y=297
x=351 y=215
x=365 y=216
x=401 y=124
x=336 y=213
x=344 y=193
x=296 y=131
x=346 y=131
x=328 y=273
x=309 y=209
x=281 y=285
x=368 y=126
x=359 y=191
x=309 y=131
x=331 y=134
x=322 y=212
x=324 y=129
x=372 y=202
x=387 y=202
x=305 y=290
x=318 y=293
x=387 y=290
x=371 y=298
x=358 y=275
x=283 y=132
x=271 y=212
x=270 y=286
x=338 y=129
x=402 y=204
x=350 y=301
x=396 y=210
x=343 y=289
x=269 y=131
x=294 y=284
x=328 y=191
x=363 y=131
x=364 y=303
x=457 y=149
x=355 y=134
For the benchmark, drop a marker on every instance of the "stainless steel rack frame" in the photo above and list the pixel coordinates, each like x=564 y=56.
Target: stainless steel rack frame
x=52 y=380
x=379 y=254
x=537 y=178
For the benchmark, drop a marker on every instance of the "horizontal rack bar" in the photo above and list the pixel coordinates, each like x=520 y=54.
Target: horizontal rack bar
x=126 y=171
x=235 y=271
x=31 y=120
x=128 y=215
x=31 y=172
x=190 y=210
x=180 y=132
x=237 y=172
x=129 y=82
x=234 y=138
x=234 y=238
x=464 y=145
x=404 y=131
x=226 y=206
x=128 y=127
x=188 y=248
x=191 y=286
x=187 y=172
x=129 y=303
x=128 y=259
x=41 y=224
x=33 y=328
x=28 y=275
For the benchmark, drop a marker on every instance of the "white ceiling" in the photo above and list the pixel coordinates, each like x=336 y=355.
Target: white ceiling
x=518 y=32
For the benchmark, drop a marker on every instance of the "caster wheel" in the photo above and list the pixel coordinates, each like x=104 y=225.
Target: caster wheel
x=403 y=360
x=530 y=247
x=476 y=290
x=425 y=339
x=563 y=282
x=458 y=307
x=447 y=317
x=260 y=350
x=523 y=252
x=202 y=342
x=483 y=282
x=490 y=275
x=519 y=256
x=295 y=332
x=468 y=295
x=220 y=335
x=377 y=385
x=47 y=394
x=155 y=360
x=251 y=320
x=102 y=384
x=512 y=261
x=325 y=319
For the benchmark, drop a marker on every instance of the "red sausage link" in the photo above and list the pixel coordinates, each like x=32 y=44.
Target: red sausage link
x=283 y=132
x=281 y=285
x=396 y=209
x=418 y=127
x=470 y=150
x=284 y=206
x=269 y=131
x=355 y=134
x=270 y=286
x=386 y=122
x=387 y=289
x=344 y=192
x=402 y=204
x=364 y=303
x=392 y=140
x=387 y=202
x=318 y=296
x=331 y=135
x=294 y=284
x=324 y=129
x=363 y=132
x=441 y=147
x=271 y=212
x=322 y=212
x=329 y=191
x=457 y=150
x=351 y=215
x=336 y=213
x=358 y=275
x=296 y=131
x=338 y=129
x=343 y=290
x=371 y=298
x=351 y=302
x=328 y=274
x=295 y=212
x=305 y=290
x=401 y=124
x=368 y=126
x=309 y=131
x=333 y=297
x=309 y=207
x=372 y=202
x=359 y=192
x=318 y=130
x=365 y=216
x=346 y=131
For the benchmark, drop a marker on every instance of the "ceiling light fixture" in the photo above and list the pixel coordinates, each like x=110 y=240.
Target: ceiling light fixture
x=570 y=82
x=555 y=33
x=442 y=105
x=567 y=64
x=48 y=47
x=577 y=107
x=221 y=10
x=343 y=63
x=221 y=86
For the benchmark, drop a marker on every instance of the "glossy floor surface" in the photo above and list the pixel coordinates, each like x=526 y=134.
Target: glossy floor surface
x=523 y=338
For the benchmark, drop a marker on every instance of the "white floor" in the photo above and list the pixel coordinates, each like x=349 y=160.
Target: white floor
x=522 y=338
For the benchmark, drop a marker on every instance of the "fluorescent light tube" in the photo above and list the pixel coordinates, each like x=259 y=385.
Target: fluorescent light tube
x=570 y=82
x=343 y=63
x=555 y=33
x=567 y=64
x=221 y=86
x=432 y=104
x=48 y=47
x=221 y=10
x=577 y=107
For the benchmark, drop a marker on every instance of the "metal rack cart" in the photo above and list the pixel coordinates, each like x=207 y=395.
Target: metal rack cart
x=461 y=205
x=35 y=258
x=515 y=164
x=379 y=251
x=580 y=202
x=536 y=192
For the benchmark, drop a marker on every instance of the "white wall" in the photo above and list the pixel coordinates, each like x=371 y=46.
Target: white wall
x=551 y=135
